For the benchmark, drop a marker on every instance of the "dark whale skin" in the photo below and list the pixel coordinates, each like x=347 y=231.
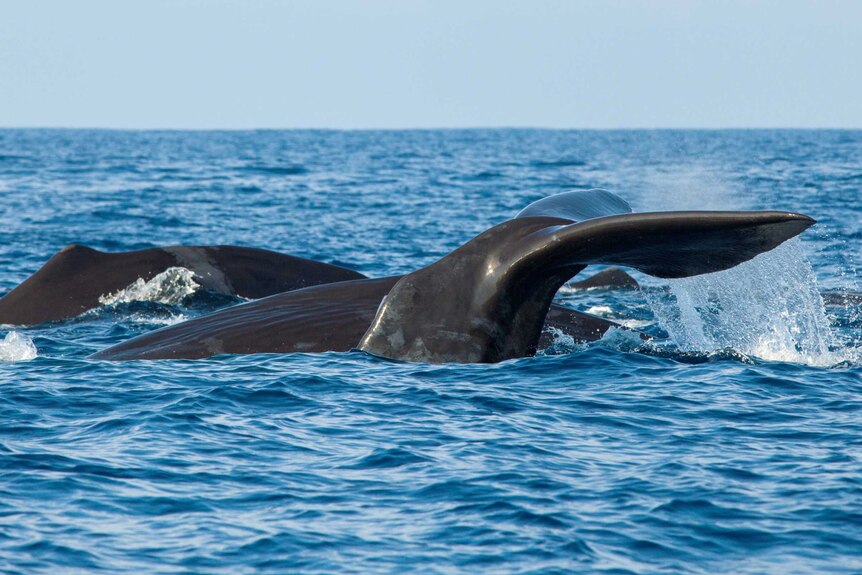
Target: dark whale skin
x=331 y=317
x=72 y=281
x=487 y=301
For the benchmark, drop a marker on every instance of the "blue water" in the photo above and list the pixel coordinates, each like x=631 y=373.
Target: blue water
x=615 y=457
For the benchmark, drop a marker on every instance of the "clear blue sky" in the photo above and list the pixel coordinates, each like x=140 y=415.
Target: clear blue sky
x=430 y=63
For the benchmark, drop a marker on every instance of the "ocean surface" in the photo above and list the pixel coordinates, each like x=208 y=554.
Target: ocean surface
x=729 y=443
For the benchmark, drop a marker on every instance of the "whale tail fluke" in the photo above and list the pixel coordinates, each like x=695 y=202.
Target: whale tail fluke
x=608 y=278
x=487 y=300
x=670 y=244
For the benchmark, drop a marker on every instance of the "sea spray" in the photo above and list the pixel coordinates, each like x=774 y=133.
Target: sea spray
x=561 y=343
x=698 y=186
x=768 y=307
x=17 y=347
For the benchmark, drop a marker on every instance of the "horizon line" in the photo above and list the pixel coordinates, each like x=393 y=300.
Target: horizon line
x=437 y=128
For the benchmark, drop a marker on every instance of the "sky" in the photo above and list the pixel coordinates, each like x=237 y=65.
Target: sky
x=218 y=64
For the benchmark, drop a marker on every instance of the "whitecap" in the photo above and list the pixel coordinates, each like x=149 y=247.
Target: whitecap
x=17 y=347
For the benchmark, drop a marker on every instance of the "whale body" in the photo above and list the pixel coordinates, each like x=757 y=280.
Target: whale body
x=74 y=279
x=488 y=300
x=331 y=317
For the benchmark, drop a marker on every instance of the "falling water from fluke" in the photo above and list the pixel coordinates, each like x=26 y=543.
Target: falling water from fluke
x=769 y=307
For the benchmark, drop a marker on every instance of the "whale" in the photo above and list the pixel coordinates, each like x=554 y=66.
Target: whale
x=73 y=280
x=77 y=278
x=610 y=278
x=487 y=301
x=331 y=317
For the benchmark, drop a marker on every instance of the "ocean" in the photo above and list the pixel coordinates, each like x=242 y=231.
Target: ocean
x=731 y=442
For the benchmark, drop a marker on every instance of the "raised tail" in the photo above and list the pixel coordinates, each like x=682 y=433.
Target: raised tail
x=487 y=300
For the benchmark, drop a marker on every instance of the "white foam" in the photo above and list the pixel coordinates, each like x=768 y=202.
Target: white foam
x=769 y=307
x=151 y=320
x=606 y=311
x=634 y=324
x=17 y=347
x=563 y=342
x=169 y=287
x=622 y=339
x=599 y=310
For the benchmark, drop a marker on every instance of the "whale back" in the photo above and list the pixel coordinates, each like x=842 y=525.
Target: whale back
x=74 y=279
x=487 y=300
x=577 y=206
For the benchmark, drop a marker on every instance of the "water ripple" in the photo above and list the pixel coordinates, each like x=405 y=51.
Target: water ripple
x=623 y=456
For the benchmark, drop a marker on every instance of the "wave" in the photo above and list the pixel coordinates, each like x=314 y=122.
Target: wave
x=559 y=163
x=289 y=170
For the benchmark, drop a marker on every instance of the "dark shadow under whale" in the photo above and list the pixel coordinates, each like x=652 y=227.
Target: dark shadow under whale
x=488 y=300
x=74 y=279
